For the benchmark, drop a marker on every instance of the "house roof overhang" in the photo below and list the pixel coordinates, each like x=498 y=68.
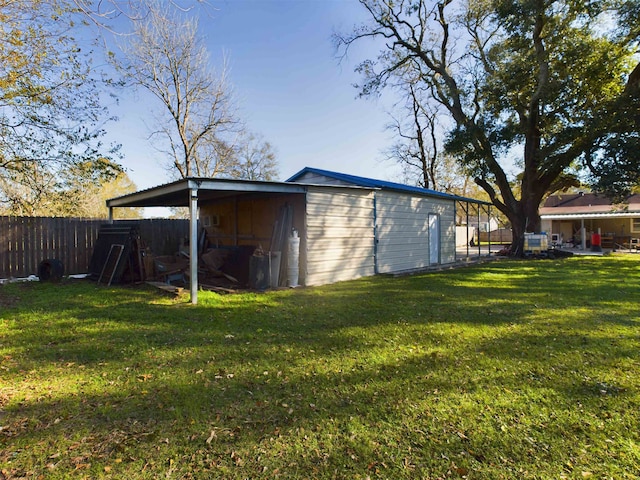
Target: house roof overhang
x=588 y=216
x=588 y=206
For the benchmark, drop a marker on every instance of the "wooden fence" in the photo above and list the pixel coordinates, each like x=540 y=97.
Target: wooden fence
x=502 y=236
x=27 y=241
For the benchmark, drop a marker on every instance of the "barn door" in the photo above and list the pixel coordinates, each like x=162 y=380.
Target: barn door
x=434 y=238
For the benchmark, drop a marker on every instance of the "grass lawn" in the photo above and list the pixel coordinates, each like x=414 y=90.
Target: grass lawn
x=511 y=369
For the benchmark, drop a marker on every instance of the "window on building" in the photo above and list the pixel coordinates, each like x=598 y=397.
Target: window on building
x=635 y=224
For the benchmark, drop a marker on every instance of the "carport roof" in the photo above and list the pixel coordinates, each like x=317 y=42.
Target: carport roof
x=177 y=194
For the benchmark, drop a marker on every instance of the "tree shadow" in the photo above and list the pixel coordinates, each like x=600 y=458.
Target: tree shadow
x=333 y=377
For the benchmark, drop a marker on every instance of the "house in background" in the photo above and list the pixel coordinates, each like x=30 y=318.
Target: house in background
x=349 y=226
x=481 y=227
x=573 y=218
x=482 y=223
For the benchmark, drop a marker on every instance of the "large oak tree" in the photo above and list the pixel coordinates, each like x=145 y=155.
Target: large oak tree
x=535 y=88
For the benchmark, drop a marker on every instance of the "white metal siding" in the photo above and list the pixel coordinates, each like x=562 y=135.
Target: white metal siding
x=339 y=235
x=403 y=231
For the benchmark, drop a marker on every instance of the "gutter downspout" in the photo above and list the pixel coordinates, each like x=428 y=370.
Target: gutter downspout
x=193 y=243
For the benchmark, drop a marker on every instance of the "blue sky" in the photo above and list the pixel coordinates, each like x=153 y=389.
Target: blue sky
x=290 y=88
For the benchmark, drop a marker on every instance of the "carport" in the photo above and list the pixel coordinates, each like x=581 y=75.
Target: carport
x=193 y=192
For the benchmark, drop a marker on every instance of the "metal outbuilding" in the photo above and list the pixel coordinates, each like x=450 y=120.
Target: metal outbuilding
x=349 y=226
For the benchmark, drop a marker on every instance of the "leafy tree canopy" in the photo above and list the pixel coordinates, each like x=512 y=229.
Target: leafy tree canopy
x=537 y=90
x=50 y=113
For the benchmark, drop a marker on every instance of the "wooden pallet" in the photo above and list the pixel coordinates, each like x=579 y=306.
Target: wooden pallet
x=111 y=265
x=165 y=287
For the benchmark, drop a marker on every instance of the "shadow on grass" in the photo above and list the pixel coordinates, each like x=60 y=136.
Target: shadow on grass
x=337 y=379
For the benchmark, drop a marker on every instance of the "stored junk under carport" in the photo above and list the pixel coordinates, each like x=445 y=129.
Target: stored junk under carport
x=118 y=254
x=318 y=226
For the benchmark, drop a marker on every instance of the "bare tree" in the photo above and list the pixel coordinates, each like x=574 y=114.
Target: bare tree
x=166 y=57
x=256 y=159
x=416 y=148
x=104 y=13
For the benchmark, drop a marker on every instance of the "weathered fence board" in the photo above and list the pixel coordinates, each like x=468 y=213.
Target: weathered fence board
x=27 y=241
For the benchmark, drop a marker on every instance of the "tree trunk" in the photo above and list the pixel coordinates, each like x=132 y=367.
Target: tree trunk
x=525 y=220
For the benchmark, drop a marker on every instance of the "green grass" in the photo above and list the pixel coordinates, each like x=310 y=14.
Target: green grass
x=511 y=369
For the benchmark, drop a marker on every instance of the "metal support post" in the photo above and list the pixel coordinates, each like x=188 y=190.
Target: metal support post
x=193 y=244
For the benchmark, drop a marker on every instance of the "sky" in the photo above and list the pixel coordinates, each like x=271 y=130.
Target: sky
x=290 y=88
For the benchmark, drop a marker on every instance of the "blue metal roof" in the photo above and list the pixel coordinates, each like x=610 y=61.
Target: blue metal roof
x=381 y=184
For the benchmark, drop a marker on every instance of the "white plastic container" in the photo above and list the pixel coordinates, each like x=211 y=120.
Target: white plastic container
x=293 y=259
x=536 y=242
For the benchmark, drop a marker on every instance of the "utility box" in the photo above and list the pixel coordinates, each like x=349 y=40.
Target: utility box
x=536 y=242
